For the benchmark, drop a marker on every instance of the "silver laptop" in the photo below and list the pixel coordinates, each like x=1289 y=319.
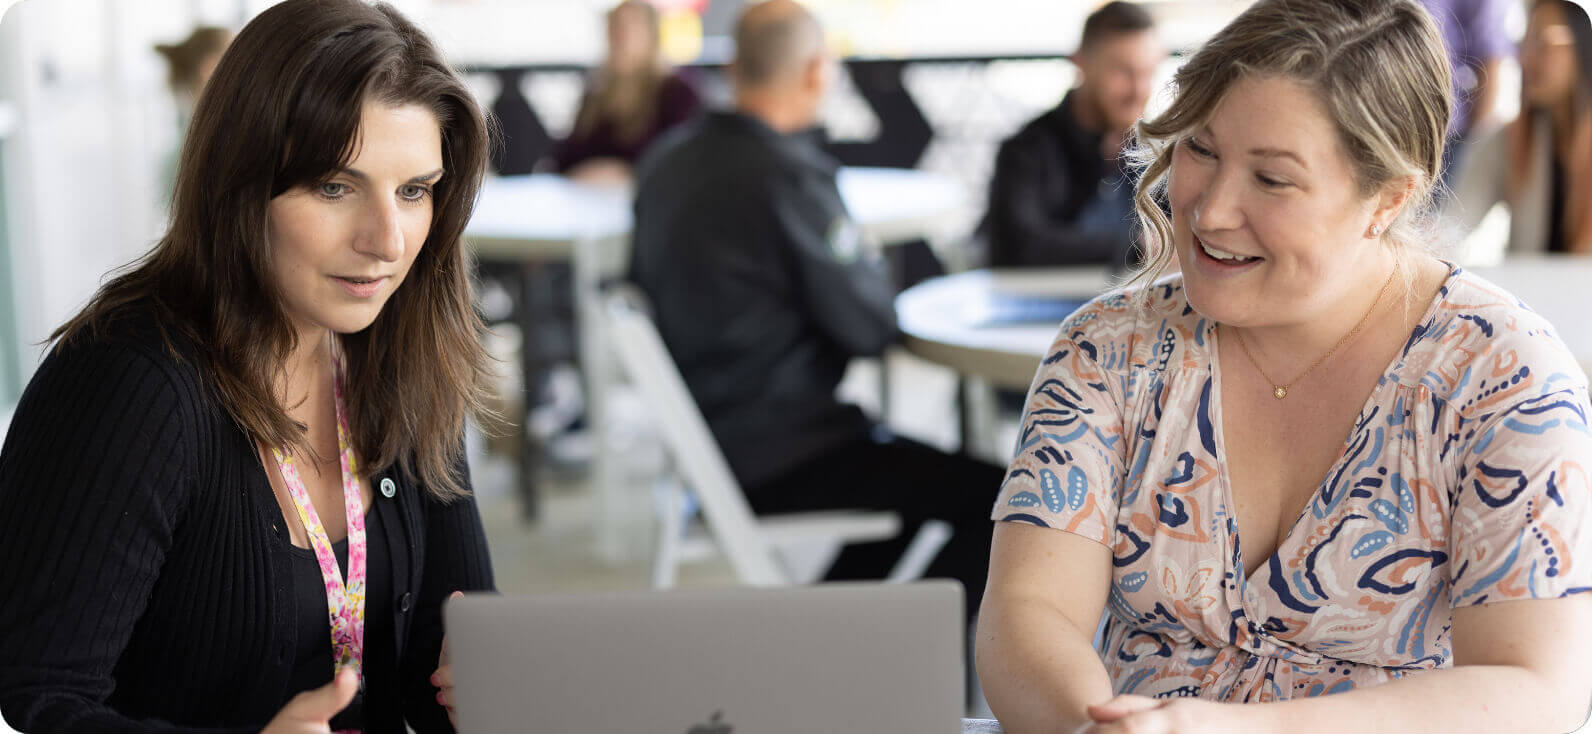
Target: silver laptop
x=842 y=657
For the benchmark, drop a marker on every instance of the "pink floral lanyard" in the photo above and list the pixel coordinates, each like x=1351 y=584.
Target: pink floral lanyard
x=345 y=605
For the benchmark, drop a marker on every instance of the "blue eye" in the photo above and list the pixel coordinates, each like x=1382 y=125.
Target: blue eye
x=331 y=190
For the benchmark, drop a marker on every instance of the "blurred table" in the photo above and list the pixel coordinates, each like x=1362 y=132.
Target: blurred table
x=981 y=726
x=945 y=320
x=957 y=321
x=524 y=231
x=543 y=216
x=897 y=205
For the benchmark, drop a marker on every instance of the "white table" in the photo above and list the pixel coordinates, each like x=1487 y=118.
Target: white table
x=543 y=216
x=941 y=320
x=897 y=205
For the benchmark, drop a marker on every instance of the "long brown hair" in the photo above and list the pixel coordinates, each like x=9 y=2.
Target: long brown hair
x=1577 y=222
x=1379 y=69
x=628 y=100
x=283 y=111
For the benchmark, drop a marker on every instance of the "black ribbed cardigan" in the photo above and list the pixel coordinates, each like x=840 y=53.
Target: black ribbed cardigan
x=145 y=578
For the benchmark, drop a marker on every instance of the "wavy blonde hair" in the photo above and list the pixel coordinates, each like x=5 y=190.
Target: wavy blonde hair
x=1379 y=69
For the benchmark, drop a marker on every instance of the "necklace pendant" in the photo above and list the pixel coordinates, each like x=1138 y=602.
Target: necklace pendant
x=1279 y=392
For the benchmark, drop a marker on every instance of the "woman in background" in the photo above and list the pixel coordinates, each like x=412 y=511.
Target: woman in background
x=235 y=495
x=630 y=100
x=1540 y=165
x=190 y=64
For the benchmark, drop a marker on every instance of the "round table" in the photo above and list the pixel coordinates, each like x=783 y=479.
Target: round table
x=944 y=319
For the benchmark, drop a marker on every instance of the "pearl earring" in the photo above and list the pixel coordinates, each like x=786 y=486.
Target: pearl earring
x=1376 y=230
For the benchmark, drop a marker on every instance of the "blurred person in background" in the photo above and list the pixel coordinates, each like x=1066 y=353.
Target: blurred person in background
x=1060 y=194
x=235 y=495
x=189 y=65
x=1321 y=480
x=763 y=291
x=1474 y=36
x=1540 y=164
x=630 y=100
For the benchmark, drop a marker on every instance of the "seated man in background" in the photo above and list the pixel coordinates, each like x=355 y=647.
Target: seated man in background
x=764 y=291
x=1059 y=195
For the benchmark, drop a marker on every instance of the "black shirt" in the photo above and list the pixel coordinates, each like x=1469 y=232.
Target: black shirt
x=1556 y=238
x=312 y=663
x=761 y=286
x=1054 y=200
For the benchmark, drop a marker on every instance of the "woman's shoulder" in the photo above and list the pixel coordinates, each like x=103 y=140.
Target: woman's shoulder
x=1146 y=327
x=132 y=342
x=1481 y=349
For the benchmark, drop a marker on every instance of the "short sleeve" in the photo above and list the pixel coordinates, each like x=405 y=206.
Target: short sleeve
x=1521 y=526
x=1069 y=466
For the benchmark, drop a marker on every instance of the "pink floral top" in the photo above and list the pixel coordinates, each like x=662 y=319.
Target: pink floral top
x=1465 y=480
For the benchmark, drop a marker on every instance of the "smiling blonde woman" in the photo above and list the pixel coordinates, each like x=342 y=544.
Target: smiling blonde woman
x=1320 y=469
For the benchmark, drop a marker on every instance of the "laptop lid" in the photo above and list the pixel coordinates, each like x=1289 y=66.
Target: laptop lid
x=841 y=657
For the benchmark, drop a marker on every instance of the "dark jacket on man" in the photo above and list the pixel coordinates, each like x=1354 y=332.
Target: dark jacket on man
x=1054 y=200
x=761 y=285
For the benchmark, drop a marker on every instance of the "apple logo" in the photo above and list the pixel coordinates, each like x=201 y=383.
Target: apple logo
x=713 y=726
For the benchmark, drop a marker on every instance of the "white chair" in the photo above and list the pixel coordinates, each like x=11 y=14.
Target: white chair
x=763 y=551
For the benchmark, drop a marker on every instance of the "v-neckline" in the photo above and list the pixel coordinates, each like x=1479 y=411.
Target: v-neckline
x=1235 y=553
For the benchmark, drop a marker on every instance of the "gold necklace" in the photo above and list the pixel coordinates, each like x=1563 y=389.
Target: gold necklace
x=1280 y=390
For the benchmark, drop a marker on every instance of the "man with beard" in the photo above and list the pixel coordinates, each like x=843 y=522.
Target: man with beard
x=1059 y=195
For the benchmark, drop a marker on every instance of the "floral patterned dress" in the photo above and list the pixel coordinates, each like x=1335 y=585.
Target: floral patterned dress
x=1465 y=480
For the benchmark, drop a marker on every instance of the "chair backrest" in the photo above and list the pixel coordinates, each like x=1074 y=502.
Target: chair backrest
x=646 y=361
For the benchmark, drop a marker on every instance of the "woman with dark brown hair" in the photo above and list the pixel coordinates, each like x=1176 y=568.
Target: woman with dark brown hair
x=1540 y=165
x=631 y=99
x=190 y=63
x=234 y=495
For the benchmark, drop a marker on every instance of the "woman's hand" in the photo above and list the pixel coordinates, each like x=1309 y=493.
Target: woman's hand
x=1142 y=715
x=443 y=677
x=311 y=712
